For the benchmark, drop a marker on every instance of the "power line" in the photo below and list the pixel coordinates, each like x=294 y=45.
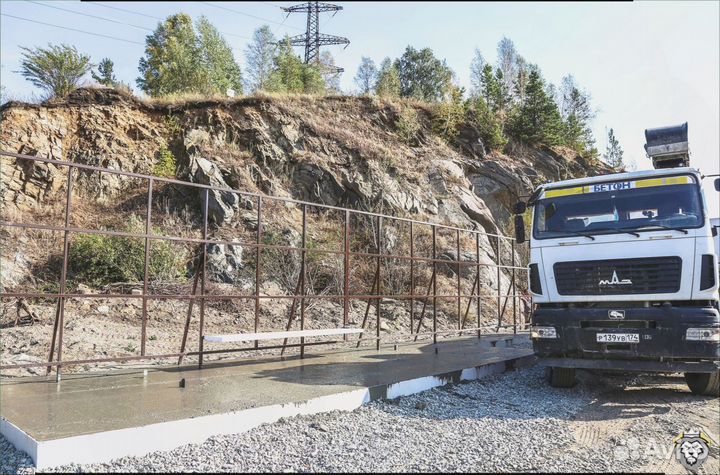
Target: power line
x=250 y=15
x=73 y=29
x=127 y=11
x=160 y=19
x=271 y=4
x=89 y=15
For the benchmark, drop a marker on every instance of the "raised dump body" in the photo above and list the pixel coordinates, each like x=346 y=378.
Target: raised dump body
x=668 y=146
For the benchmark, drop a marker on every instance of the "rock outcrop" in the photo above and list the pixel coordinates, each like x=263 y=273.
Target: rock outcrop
x=340 y=151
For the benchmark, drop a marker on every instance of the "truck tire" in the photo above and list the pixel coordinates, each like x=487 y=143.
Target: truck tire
x=704 y=384
x=562 y=377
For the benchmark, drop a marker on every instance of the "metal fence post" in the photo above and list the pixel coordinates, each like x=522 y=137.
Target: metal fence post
x=514 y=308
x=499 y=291
x=479 y=299
x=302 y=279
x=63 y=274
x=459 y=284
x=379 y=283
x=258 y=253
x=203 y=279
x=434 y=283
x=146 y=271
x=346 y=272
x=412 y=278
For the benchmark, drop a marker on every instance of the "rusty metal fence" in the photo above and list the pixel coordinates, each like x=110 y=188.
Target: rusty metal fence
x=506 y=302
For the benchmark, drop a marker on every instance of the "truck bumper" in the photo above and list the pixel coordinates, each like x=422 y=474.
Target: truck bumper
x=661 y=330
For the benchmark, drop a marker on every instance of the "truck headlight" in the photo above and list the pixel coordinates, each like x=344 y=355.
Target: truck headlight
x=543 y=332
x=703 y=334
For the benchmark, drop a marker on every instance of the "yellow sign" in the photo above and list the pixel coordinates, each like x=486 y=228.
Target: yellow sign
x=618 y=186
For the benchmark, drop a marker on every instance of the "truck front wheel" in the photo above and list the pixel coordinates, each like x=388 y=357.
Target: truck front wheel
x=562 y=377
x=704 y=384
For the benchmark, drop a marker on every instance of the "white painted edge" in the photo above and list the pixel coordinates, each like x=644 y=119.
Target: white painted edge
x=137 y=441
x=237 y=337
x=19 y=438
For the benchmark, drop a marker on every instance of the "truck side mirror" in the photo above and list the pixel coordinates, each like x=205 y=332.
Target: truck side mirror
x=520 y=207
x=717 y=184
x=519 y=229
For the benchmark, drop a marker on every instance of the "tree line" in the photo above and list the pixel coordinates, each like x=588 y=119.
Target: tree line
x=508 y=101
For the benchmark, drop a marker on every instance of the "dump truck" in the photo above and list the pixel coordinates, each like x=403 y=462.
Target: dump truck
x=624 y=270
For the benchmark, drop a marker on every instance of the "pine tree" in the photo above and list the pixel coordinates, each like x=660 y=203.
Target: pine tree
x=313 y=81
x=259 y=56
x=105 y=74
x=538 y=120
x=521 y=80
x=366 y=75
x=614 y=153
x=488 y=124
x=577 y=114
x=450 y=114
x=490 y=88
x=388 y=80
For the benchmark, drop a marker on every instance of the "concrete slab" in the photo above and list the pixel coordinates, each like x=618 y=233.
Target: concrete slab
x=95 y=417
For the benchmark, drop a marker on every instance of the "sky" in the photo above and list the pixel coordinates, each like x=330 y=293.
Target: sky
x=645 y=64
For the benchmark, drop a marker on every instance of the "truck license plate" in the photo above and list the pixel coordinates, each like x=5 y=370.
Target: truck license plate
x=618 y=338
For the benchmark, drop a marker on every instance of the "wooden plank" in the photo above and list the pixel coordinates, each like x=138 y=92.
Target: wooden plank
x=278 y=335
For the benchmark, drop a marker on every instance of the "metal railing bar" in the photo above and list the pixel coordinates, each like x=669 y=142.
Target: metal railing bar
x=235 y=191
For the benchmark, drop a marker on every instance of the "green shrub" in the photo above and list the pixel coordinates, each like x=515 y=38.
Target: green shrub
x=408 y=126
x=165 y=165
x=97 y=260
x=450 y=115
x=173 y=125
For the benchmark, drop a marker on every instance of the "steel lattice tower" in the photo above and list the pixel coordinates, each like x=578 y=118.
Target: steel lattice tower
x=312 y=40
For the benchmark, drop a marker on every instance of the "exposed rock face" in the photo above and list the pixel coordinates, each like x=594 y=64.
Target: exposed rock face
x=224 y=261
x=336 y=151
x=222 y=205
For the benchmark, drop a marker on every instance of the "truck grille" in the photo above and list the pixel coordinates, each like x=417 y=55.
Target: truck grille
x=647 y=275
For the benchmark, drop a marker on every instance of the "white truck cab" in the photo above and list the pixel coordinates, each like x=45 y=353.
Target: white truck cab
x=624 y=274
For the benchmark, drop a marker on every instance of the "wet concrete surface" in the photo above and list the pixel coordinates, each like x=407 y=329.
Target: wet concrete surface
x=95 y=402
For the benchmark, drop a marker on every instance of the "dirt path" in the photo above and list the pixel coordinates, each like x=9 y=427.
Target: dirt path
x=636 y=419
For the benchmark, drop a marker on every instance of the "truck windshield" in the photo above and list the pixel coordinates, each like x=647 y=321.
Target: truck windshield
x=618 y=207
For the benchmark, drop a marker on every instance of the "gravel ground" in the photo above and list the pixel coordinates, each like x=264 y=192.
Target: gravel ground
x=511 y=422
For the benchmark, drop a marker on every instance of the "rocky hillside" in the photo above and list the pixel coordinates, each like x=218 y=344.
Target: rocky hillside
x=343 y=151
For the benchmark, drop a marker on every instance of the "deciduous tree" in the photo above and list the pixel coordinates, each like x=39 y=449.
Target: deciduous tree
x=56 y=69
x=259 y=56
x=422 y=75
x=388 y=82
x=366 y=75
x=178 y=59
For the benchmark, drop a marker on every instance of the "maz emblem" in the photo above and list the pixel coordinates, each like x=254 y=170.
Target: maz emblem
x=615 y=281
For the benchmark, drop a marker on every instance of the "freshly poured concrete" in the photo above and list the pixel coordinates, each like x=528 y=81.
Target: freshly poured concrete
x=50 y=418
